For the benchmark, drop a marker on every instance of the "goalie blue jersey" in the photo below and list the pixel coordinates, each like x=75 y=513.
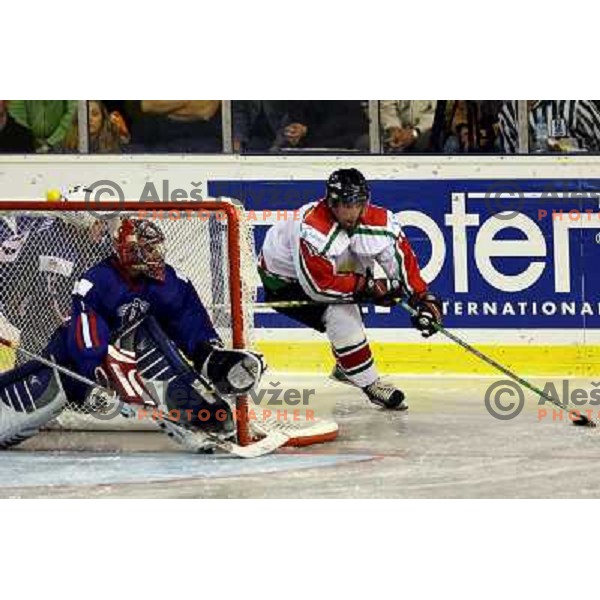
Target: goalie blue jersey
x=106 y=300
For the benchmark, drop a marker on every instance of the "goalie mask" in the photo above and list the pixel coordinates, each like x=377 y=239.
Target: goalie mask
x=139 y=246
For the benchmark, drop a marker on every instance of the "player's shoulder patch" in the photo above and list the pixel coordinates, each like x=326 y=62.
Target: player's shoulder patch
x=322 y=231
x=319 y=217
x=101 y=275
x=318 y=227
x=82 y=287
x=376 y=216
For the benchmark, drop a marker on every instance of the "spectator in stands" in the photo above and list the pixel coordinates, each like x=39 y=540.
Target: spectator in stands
x=480 y=117
x=120 y=125
x=459 y=142
x=330 y=124
x=488 y=131
x=48 y=120
x=13 y=137
x=177 y=126
x=554 y=126
x=106 y=132
x=258 y=125
x=407 y=124
x=119 y=112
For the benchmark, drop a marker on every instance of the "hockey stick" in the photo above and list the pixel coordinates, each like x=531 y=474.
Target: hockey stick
x=270 y=442
x=184 y=436
x=49 y=363
x=580 y=420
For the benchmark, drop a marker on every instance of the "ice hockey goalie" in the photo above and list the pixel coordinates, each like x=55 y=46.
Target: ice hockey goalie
x=132 y=313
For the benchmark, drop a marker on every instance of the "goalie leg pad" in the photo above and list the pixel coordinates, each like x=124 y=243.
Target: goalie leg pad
x=30 y=396
x=198 y=408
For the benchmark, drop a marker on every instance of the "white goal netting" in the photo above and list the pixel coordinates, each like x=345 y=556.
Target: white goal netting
x=44 y=252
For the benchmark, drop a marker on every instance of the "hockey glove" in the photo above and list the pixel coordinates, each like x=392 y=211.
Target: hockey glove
x=120 y=385
x=376 y=290
x=232 y=372
x=429 y=313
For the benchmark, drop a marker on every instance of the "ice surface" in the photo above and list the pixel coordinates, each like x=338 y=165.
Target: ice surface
x=446 y=446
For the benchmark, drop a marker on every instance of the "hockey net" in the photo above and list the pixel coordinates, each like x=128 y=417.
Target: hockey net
x=46 y=247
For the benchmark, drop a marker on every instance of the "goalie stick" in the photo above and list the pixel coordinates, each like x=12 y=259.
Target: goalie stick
x=580 y=420
x=271 y=442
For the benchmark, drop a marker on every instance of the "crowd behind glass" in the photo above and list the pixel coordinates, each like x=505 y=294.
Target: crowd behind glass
x=319 y=126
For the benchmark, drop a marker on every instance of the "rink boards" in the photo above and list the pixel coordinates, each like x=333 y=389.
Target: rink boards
x=521 y=285
x=514 y=261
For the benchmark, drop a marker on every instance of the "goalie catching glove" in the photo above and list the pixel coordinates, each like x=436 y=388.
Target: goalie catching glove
x=377 y=290
x=232 y=372
x=429 y=313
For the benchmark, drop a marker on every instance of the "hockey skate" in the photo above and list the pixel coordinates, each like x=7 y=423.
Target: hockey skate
x=385 y=395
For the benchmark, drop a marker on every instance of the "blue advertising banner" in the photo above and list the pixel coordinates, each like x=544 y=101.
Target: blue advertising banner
x=501 y=253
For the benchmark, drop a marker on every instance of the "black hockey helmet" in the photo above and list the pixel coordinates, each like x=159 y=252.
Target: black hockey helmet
x=348 y=186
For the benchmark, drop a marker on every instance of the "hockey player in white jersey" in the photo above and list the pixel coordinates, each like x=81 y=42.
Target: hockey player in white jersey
x=328 y=257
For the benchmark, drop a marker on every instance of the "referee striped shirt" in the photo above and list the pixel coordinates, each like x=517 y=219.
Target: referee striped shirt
x=577 y=119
